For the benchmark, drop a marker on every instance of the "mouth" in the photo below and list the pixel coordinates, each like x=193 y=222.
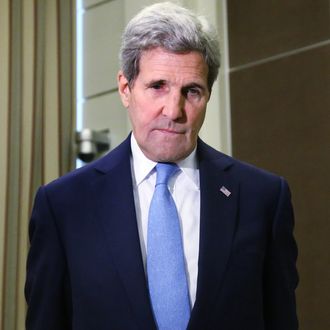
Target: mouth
x=169 y=131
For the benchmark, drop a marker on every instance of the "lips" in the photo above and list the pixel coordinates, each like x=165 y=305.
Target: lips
x=169 y=131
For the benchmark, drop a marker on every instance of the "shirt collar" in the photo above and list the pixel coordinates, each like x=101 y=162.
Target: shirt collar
x=189 y=167
x=143 y=166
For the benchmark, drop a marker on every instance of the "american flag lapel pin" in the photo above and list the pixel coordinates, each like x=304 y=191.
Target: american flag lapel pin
x=225 y=191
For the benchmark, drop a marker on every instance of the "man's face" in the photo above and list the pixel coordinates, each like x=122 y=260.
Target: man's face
x=167 y=103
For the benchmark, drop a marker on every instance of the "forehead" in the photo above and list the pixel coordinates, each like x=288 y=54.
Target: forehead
x=162 y=64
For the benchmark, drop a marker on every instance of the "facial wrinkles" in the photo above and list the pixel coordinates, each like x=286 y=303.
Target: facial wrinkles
x=174 y=79
x=167 y=103
x=167 y=66
x=166 y=70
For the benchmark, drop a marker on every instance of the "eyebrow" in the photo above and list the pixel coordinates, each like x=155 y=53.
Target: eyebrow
x=156 y=81
x=195 y=85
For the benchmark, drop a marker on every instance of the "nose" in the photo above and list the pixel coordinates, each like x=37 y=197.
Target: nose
x=174 y=106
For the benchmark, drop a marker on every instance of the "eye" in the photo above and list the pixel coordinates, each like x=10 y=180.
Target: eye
x=192 y=92
x=157 y=85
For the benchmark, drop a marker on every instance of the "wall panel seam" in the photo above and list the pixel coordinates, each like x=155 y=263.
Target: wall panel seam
x=280 y=56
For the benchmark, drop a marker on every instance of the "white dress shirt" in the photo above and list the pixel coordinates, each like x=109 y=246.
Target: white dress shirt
x=185 y=189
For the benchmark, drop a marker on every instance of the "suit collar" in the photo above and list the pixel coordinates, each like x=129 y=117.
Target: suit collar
x=207 y=154
x=117 y=157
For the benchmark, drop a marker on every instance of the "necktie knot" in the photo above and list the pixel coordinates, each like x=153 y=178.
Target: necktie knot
x=164 y=172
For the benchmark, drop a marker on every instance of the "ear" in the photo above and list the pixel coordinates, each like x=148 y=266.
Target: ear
x=123 y=89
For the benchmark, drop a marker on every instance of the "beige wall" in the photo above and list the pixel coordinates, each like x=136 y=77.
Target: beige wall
x=103 y=23
x=280 y=105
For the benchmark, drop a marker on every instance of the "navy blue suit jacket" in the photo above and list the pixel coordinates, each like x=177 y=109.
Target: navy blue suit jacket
x=85 y=267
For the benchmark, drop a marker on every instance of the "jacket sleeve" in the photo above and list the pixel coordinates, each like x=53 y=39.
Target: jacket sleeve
x=281 y=278
x=47 y=284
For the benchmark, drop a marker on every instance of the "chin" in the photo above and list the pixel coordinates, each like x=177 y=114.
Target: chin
x=172 y=157
x=167 y=150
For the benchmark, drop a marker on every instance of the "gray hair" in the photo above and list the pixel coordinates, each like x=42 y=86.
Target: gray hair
x=174 y=28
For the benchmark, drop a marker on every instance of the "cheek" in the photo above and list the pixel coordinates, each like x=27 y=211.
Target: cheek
x=196 y=118
x=141 y=115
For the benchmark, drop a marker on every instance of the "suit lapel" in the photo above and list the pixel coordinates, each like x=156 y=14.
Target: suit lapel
x=114 y=201
x=219 y=203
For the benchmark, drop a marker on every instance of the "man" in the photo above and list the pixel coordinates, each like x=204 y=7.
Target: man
x=93 y=253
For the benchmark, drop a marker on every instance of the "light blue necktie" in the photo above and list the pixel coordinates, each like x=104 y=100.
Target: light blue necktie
x=165 y=259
